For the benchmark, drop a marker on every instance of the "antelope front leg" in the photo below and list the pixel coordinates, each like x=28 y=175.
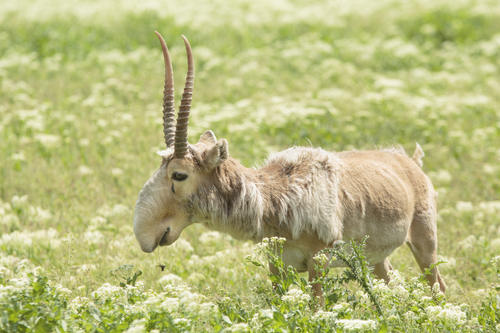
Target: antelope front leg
x=317 y=291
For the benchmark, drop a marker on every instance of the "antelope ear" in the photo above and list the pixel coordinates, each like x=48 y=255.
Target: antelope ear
x=217 y=154
x=208 y=138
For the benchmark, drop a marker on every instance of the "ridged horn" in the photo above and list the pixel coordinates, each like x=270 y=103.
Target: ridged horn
x=181 y=143
x=168 y=96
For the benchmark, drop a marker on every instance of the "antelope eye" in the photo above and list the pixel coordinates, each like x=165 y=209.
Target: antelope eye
x=179 y=176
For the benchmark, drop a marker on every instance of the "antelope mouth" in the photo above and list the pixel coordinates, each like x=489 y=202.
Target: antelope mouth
x=164 y=240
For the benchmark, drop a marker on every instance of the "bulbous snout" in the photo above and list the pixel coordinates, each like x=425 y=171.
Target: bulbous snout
x=151 y=212
x=145 y=232
x=155 y=232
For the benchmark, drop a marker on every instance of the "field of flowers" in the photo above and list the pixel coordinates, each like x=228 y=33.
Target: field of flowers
x=80 y=121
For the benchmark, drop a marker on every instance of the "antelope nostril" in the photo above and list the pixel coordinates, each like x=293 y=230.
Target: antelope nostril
x=163 y=240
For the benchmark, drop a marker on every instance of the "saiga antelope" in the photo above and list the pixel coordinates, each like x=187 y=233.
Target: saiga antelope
x=309 y=196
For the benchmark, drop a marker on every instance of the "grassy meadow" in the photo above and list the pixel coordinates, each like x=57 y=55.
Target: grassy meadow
x=80 y=124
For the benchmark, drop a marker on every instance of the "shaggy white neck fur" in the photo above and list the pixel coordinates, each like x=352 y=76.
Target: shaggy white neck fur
x=294 y=192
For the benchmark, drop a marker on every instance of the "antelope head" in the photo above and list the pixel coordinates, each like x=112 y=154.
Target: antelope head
x=163 y=207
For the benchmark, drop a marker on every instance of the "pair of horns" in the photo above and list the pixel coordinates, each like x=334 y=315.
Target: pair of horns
x=176 y=134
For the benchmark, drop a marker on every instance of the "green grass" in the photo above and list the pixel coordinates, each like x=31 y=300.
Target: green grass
x=80 y=121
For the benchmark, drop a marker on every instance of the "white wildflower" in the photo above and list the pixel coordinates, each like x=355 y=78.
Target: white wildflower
x=94 y=237
x=196 y=278
x=127 y=117
x=490 y=207
x=295 y=296
x=84 y=170
x=240 y=327
x=489 y=169
x=19 y=202
x=384 y=82
x=393 y=319
x=70 y=118
x=115 y=134
x=340 y=306
x=463 y=206
x=441 y=176
x=4 y=271
x=18 y=156
x=77 y=303
x=481 y=293
x=21 y=283
x=400 y=291
x=321 y=259
x=116 y=244
x=266 y=313
x=210 y=237
x=48 y=140
x=47 y=237
x=495 y=244
x=65 y=292
x=120 y=210
x=468 y=242
x=325 y=315
x=450 y=261
x=86 y=268
x=255 y=322
x=417 y=293
x=107 y=291
x=116 y=210
x=84 y=142
x=137 y=326
x=410 y=316
x=98 y=221
x=208 y=309
x=449 y=314
x=396 y=278
x=169 y=279
x=11 y=262
x=362 y=296
x=39 y=213
x=170 y=304
x=357 y=324
x=183 y=245
x=436 y=288
x=9 y=220
x=183 y=322
x=496 y=262
x=116 y=172
x=380 y=286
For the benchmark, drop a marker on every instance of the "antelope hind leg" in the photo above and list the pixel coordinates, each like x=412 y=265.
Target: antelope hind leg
x=423 y=244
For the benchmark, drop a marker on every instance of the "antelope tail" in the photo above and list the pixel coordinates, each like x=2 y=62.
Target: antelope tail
x=417 y=156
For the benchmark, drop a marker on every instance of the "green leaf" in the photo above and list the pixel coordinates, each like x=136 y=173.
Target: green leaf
x=274 y=278
x=383 y=328
x=94 y=312
x=287 y=282
x=303 y=283
x=227 y=320
x=332 y=298
x=257 y=263
x=279 y=318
